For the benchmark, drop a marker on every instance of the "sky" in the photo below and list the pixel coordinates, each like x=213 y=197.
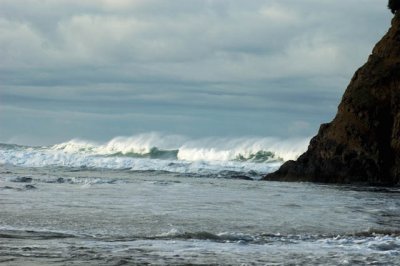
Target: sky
x=96 y=69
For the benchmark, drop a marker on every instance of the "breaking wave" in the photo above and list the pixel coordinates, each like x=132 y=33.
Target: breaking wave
x=153 y=151
x=156 y=146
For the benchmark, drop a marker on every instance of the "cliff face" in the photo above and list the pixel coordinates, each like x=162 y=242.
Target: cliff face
x=362 y=143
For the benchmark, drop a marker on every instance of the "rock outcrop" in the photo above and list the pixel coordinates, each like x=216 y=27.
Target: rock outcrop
x=362 y=143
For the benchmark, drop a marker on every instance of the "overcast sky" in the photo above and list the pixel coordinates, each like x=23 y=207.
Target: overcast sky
x=96 y=69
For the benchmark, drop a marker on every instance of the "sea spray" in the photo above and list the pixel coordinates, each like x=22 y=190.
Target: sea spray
x=205 y=149
x=156 y=152
x=139 y=144
x=227 y=149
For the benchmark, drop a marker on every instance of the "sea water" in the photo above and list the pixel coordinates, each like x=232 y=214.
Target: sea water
x=170 y=200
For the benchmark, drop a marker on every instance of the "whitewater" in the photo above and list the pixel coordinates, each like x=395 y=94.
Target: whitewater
x=173 y=200
x=252 y=157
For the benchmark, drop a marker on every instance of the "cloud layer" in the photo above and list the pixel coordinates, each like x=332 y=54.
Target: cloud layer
x=196 y=66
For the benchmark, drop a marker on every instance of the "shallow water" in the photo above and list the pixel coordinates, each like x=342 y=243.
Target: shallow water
x=69 y=216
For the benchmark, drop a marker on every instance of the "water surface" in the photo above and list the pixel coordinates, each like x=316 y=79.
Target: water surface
x=77 y=216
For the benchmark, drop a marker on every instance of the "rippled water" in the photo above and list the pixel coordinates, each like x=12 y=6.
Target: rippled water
x=69 y=216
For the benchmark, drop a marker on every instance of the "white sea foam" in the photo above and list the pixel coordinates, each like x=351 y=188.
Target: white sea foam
x=225 y=149
x=154 y=151
x=206 y=149
x=140 y=144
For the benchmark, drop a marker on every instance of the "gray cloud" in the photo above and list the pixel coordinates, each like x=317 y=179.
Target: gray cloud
x=283 y=62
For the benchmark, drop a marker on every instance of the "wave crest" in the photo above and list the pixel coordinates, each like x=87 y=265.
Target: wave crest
x=243 y=149
x=157 y=146
x=155 y=152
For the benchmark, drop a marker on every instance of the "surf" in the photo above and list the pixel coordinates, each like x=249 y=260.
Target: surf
x=158 y=152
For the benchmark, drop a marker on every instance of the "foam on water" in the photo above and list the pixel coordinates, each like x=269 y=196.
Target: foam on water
x=207 y=149
x=138 y=144
x=153 y=151
x=107 y=217
x=224 y=149
x=203 y=248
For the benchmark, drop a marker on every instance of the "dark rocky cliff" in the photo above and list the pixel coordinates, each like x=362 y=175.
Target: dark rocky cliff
x=362 y=143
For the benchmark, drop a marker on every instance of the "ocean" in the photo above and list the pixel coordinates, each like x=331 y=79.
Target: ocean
x=155 y=199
